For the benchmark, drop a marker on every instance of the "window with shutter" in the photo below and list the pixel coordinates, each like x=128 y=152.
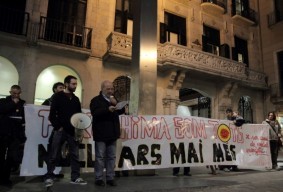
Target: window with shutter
x=175 y=29
x=124 y=17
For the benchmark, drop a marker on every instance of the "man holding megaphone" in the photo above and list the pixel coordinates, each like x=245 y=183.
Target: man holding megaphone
x=64 y=105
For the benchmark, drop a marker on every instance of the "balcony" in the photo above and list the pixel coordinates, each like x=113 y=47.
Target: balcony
x=64 y=33
x=214 y=7
x=13 y=21
x=18 y=23
x=244 y=17
x=181 y=57
x=119 y=48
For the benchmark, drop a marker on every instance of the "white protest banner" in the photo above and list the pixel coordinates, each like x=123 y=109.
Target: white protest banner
x=154 y=142
x=38 y=131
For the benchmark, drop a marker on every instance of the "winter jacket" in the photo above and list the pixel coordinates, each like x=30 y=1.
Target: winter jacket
x=12 y=119
x=61 y=110
x=274 y=129
x=105 y=124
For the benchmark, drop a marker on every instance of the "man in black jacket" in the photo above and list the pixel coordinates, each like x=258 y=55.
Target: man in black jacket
x=64 y=105
x=106 y=131
x=12 y=133
x=57 y=87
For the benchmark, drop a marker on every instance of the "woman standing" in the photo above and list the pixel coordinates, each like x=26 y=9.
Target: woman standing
x=274 y=136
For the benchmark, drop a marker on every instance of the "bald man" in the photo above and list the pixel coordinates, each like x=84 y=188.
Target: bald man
x=106 y=131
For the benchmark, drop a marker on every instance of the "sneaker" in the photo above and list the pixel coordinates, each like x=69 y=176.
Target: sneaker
x=226 y=170
x=48 y=182
x=79 y=181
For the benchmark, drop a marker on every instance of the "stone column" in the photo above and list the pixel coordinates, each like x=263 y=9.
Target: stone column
x=144 y=61
x=171 y=93
x=225 y=96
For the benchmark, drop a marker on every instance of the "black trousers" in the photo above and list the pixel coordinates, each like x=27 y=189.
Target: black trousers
x=274 y=152
x=177 y=169
x=5 y=158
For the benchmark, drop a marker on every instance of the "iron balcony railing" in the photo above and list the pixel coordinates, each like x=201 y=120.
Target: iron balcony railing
x=64 y=33
x=274 y=17
x=247 y=13
x=221 y=3
x=13 y=21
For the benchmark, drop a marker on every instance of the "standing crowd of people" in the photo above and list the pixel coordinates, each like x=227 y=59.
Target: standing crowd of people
x=106 y=131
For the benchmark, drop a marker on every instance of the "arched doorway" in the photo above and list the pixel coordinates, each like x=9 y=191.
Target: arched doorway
x=245 y=109
x=8 y=76
x=48 y=77
x=198 y=104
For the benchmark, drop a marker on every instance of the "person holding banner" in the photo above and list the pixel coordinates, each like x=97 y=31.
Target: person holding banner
x=238 y=121
x=57 y=87
x=274 y=137
x=106 y=131
x=12 y=133
x=64 y=105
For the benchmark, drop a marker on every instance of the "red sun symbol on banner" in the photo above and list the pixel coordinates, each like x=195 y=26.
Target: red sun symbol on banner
x=224 y=133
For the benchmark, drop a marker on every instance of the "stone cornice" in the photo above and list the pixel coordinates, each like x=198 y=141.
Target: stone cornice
x=177 y=56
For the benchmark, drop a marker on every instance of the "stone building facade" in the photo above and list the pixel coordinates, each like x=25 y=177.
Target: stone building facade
x=211 y=54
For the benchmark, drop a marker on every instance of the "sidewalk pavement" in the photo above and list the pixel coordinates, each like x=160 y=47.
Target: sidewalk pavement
x=201 y=180
x=244 y=180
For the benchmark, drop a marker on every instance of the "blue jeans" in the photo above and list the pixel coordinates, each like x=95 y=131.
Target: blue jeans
x=105 y=157
x=58 y=138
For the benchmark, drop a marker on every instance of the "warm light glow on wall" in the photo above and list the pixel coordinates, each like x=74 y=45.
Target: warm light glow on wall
x=8 y=76
x=48 y=77
x=148 y=55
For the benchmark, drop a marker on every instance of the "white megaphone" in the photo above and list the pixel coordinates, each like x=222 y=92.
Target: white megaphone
x=81 y=122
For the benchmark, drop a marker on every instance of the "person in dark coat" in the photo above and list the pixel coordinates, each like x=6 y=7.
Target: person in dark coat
x=12 y=133
x=57 y=87
x=64 y=105
x=106 y=131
